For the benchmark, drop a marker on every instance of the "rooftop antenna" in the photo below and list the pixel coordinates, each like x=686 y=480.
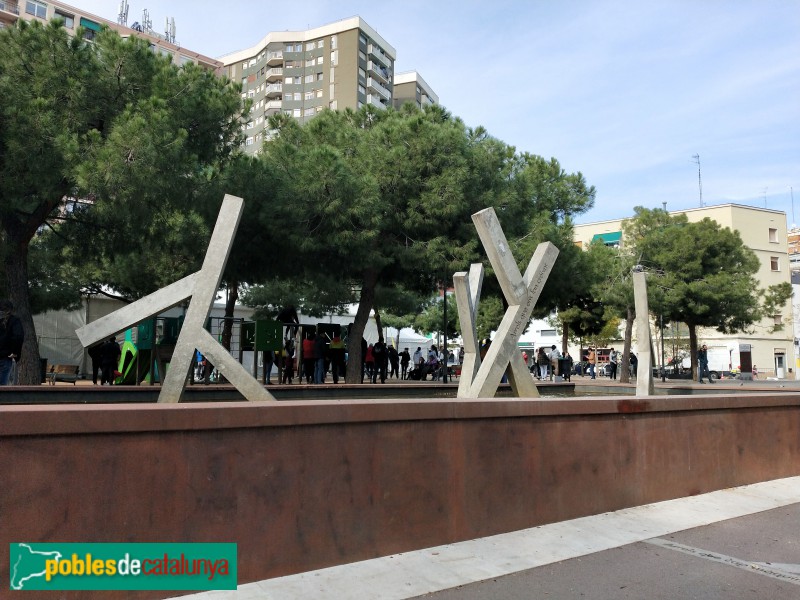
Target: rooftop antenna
x=169 y=30
x=696 y=158
x=122 y=18
x=147 y=23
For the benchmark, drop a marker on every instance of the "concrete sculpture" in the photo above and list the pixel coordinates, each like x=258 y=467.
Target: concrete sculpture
x=644 y=374
x=202 y=288
x=481 y=378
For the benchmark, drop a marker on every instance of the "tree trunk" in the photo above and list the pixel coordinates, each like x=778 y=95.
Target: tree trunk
x=230 y=306
x=564 y=337
x=16 y=265
x=378 y=324
x=693 y=348
x=625 y=375
x=365 y=304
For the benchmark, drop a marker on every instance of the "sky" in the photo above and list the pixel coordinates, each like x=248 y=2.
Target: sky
x=629 y=93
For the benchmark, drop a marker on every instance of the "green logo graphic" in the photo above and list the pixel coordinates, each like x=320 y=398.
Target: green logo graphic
x=122 y=566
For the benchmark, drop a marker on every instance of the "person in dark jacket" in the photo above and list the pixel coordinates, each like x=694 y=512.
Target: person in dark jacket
x=109 y=361
x=11 y=338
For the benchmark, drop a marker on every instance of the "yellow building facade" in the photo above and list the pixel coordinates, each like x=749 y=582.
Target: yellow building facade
x=764 y=231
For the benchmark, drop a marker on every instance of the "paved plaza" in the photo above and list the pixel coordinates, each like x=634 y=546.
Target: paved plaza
x=738 y=543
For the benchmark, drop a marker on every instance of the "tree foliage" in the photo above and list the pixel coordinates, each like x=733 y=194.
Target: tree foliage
x=120 y=128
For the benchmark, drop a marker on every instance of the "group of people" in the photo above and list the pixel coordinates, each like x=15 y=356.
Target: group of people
x=548 y=363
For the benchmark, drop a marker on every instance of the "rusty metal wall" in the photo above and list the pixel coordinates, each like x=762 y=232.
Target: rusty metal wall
x=303 y=485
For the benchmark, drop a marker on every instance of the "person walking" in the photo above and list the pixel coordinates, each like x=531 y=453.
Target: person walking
x=320 y=348
x=613 y=360
x=11 y=338
x=591 y=358
x=394 y=362
x=405 y=358
x=702 y=364
x=308 y=358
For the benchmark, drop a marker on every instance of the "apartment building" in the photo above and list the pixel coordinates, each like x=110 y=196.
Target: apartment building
x=409 y=86
x=39 y=10
x=300 y=73
x=764 y=231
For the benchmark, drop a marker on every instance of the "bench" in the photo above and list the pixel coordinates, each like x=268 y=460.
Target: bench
x=68 y=373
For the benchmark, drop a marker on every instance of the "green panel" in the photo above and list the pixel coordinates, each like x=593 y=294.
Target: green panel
x=145 y=335
x=268 y=335
x=90 y=24
x=609 y=238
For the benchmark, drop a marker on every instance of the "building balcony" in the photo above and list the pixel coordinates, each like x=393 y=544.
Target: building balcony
x=274 y=73
x=274 y=58
x=9 y=7
x=372 y=84
x=274 y=89
x=375 y=101
x=378 y=71
x=9 y=12
x=379 y=55
x=272 y=107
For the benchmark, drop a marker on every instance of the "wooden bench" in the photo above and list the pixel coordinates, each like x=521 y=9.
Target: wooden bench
x=68 y=373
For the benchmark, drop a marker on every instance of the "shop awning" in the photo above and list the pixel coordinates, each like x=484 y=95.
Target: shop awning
x=90 y=24
x=609 y=238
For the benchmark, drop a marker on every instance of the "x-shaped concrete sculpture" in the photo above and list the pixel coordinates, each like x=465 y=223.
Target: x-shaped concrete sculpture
x=480 y=379
x=644 y=373
x=202 y=287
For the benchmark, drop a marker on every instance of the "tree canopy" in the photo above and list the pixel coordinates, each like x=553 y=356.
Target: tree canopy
x=112 y=136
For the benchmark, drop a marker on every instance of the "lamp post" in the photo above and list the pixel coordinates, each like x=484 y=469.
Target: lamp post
x=663 y=369
x=444 y=310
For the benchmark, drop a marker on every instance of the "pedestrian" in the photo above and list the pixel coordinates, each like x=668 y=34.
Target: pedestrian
x=567 y=362
x=591 y=358
x=269 y=359
x=369 y=363
x=543 y=362
x=320 y=349
x=11 y=338
x=381 y=360
x=405 y=358
x=308 y=358
x=394 y=362
x=109 y=361
x=702 y=365
x=288 y=362
x=337 y=353
x=613 y=359
x=755 y=372
x=418 y=358
x=553 y=357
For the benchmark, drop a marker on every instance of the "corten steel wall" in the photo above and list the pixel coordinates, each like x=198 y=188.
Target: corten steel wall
x=302 y=485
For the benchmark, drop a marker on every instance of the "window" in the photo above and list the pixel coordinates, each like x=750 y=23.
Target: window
x=288 y=80
x=334 y=41
x=335 y=57
x=289 y=48
x=296 y=112
x=774 y=263
x=362 y=38
x=332 y=104
x=298 y=96
x=362 y=73
x=249 y=141
x=298 y=47
x=361 y=55
x=777 y=320
x=319 y=93
x=321 y=44
x=309 y=95
x=319 y=76
x=310 y=46
x=309 y=78
x=309 y=112
x=69 y=20
x=37 y=9
x=773 y=235
x=361 y=89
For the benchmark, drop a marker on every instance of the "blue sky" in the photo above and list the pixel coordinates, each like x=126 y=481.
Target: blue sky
x=625 y=92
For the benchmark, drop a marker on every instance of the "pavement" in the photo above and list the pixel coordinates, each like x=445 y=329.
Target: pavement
x=734 y=544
